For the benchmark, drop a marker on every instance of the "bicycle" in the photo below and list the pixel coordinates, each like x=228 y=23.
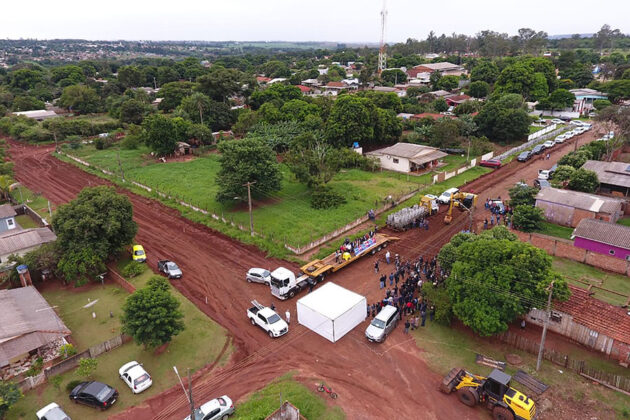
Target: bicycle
x=322 y=387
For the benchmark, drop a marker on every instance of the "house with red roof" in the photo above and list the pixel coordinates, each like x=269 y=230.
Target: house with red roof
x=436 y=117
x=589 y=321
x=456 y=99
x=262 y=80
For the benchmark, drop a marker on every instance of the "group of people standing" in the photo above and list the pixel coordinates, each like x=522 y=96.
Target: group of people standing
x=498 y=213
x=405 y=289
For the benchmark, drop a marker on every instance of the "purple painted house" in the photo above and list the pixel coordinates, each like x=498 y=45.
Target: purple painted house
x=603 y=237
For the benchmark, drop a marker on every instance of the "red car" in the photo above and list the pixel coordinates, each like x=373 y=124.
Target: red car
x=491 y=163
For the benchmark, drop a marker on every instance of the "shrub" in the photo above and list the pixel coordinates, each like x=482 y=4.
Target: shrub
x=72 y=384
x=67 y=350
x=56 y=381
x=35 y=368
x=133 y=269
x=87 y=366
x=438 y=297
x=528 y=218
x=324 y=197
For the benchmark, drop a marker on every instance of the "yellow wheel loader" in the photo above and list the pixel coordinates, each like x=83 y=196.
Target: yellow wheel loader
x=495 y=392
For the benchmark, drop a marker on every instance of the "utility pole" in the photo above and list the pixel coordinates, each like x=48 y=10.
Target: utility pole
x=122 y=174
x=544 y=331
x=249 y=200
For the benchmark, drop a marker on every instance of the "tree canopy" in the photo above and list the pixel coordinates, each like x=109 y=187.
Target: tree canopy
x=151 y=315
x=495 y=278
x=90 y=228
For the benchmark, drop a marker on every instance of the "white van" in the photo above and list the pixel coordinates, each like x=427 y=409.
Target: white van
x=383 y=324
x=445 y=198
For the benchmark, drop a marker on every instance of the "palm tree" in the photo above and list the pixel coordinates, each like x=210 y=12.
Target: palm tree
x=5 y=186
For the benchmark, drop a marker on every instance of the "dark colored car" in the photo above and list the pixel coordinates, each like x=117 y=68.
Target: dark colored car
x=491 y=163
x=524 y=156
x=538 y=149
x=95 y=394
x=541 y=183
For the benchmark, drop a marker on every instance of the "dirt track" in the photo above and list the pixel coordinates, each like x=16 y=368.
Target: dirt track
x=383 y=381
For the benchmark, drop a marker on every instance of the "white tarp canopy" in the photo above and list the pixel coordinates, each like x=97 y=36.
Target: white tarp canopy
x=331 y=311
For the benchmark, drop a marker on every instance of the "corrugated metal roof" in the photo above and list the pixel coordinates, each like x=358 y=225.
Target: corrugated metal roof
x=6 y=210
x=611 y=173
x=604 y=232
x=27 y=322
x=407 y=150
x=14 y=242
x=580 y=200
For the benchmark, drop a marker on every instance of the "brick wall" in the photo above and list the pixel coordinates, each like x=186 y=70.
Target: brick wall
x=564 y=248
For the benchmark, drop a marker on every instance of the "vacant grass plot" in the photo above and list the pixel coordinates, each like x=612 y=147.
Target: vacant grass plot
x=285 y=215
x=556 y=230
x=35 y=201
x=581 y=275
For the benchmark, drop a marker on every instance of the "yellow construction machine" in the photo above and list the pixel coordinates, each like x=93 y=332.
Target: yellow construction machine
x=430 y=203
x=463 y=200
x=493 y=391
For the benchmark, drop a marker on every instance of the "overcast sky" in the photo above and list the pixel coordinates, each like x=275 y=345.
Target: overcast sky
x=298 y=20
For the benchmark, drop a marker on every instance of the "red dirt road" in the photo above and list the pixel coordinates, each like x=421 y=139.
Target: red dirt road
x=384 y=381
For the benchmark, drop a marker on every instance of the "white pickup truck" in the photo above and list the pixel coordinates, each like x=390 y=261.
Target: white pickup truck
x=267 y=319
x=544 y=174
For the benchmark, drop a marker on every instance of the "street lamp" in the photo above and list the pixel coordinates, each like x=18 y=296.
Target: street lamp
x=188 y=394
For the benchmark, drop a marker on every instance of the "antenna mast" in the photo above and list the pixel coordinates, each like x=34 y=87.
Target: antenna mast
x=382 y=55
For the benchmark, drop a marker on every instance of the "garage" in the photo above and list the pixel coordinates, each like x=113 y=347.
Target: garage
x=331 y=311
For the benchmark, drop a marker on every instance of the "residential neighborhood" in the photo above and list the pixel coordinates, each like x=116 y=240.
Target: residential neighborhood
x=225 y=211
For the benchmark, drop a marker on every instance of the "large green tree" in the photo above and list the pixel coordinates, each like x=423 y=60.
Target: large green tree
x=486 y=71
x=351 y=119
x=243 y=161
x=495 y=278
x=522 y=195
x=90 y=228
x=151 y=315
x=220 y=83
x=160 y=134
x=583 y=180
x=172 y=94
x=504 y=119
x=81 y=99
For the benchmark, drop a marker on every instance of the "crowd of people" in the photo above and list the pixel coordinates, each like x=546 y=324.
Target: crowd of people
x=405 y=289
x=349 y=246
x=498 y=212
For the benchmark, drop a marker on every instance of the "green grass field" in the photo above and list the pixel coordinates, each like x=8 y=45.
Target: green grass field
x=582 y=275
x=625 y=221
x=198 y=345
x=556 y=230
x=36 y=201
x=26 y=222
x=263 y=402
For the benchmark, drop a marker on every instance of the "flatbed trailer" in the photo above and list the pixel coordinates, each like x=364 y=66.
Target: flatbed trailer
x=318 y=268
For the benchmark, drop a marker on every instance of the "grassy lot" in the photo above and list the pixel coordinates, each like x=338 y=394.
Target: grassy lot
x=625 y=221
x=263 y=402
x=198 y=345
x=533 y=128
x=284 y=214
x=582 y=275
x=445 y=348
x=36 y=201
x=558 y=231
x=26 y=222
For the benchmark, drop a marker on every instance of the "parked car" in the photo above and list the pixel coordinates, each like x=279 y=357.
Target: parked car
x=219 y=408
x=541 y=183
x=383 y=324
x=538 y=149
x=580 y=130
x=498 y=205
x=94 y=394
x=267 y=319
x=548 y=144
x=170 y=269
x=557 y=121
x=544 y=174
x=258 y=275
x=524 y=156
x=136 y=378
x=445 y=197
x=561 y=138
x=138 y=254
x=52 y=412
x=565 y=119
x=541 y=121
x=576 y=122
x=490 y=163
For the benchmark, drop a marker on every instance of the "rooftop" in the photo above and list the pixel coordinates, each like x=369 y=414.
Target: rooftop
x=587 y=92
x=16 y=241
x=597 y=315
x=444 y=65
x=611 y=173
x=27 y=322
x=384 y=89
x=580 y=200
x=6 y=210
x=414 y=152
x=331 y=300
x=604 y=232
x=40 y=113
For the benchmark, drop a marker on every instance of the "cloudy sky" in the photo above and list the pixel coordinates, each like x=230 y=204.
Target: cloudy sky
x=298 y=20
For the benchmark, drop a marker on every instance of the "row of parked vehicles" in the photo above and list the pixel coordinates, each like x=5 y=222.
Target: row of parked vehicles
x=581 y=127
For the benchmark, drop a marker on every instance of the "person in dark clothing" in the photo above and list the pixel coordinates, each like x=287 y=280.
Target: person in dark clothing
x=376 y=266
x=407 y=325
x=431 y=312
x=423 y=314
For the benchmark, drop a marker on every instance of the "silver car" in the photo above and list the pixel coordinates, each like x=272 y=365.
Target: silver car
x=258 y=275
x=219 y=408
